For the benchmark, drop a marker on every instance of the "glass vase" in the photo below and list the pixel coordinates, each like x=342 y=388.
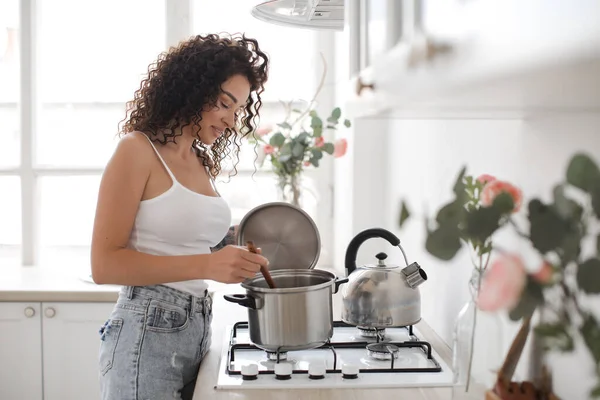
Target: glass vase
x=289 y=189
x=476 y=347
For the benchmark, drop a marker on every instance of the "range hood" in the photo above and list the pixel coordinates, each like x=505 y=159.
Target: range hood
x=311 y=14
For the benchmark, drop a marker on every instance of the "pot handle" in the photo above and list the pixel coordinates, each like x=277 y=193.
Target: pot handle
x=242 y=300
x=337 y=284
x=359 y=239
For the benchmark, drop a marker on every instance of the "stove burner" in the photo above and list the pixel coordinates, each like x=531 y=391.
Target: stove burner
x=382 y=351
x=272 y=356
x=372 y=332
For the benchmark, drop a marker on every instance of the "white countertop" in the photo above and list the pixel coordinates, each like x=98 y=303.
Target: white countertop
x=47 y=283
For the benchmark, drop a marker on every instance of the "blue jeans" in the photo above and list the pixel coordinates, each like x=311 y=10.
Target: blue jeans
x=153 y=343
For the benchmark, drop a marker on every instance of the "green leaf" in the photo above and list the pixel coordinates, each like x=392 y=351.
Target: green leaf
x=331 y=127
x=336 y=114
x=303 y=138
x=452 y=213
x=347 y=123
x=318 y=131
x=297 y=110
x=565 y=207
x=531 y=297
x=284 y=125
x=590 y=331
x=503 y=203
x=555 y=336
x=547 y=230
x=298 y=150
x=313 y=113
x=283 y=158
x=444 y=242
x=316 y=154
x=277 y=140
x=404 y=214
x=582 y=171
x=314 y=161
x=595 y=393
x=595 y=193
x=588 y=276
x=316 y=122
x=482 y=223
x=459 y=184
x=328 y=148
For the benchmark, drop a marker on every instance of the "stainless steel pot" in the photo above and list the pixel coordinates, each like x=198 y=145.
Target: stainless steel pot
x=297 y=315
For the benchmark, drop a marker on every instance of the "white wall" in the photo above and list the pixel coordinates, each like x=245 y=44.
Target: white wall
x=423 y=159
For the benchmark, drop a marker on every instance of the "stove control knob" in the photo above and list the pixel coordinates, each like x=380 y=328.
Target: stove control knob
x=249 y=372
x=316 y=370
x=283 y=371
x=349 y=371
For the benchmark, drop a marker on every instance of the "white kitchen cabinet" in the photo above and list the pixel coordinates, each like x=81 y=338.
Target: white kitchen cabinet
x=481 y=57
x=54 y=351
x=20 y=351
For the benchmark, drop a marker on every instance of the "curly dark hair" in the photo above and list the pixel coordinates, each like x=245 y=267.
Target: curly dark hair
x=188 y=78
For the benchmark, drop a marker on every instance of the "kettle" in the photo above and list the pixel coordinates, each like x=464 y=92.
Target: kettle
x=381 y=295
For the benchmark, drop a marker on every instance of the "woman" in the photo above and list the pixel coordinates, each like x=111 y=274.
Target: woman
x=159 y=214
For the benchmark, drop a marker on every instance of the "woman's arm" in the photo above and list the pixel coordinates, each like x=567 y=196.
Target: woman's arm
x=120 y=193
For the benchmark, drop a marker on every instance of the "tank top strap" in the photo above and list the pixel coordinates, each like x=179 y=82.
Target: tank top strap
x=161 y=159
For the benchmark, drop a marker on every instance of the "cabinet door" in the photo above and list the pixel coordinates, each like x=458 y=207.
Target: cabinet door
x=71 y=342
x=20 y=351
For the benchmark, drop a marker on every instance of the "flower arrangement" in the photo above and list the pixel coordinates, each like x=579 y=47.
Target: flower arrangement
x=563 y=233
x=298 y=143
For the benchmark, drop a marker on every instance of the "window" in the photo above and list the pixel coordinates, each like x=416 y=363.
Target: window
x=64 y=79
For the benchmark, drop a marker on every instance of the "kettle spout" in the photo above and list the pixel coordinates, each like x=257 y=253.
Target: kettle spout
x=414 y=275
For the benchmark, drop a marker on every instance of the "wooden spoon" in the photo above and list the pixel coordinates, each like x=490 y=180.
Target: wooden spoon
x=264 y=270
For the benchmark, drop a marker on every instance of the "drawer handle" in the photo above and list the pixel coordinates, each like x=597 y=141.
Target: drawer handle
x=50 y=312
x=29 y=312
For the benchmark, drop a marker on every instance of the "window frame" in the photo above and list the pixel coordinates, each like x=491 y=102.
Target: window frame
x=179 y=24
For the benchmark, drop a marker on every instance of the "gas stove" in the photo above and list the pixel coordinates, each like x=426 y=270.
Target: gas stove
x=353 y=358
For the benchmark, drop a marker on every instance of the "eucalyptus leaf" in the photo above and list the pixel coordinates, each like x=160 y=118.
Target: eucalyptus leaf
x=547 y=230
x=328 y=148
x=316 y=154
x=404 y=214
x=590 y=331
x=531 y=297
x=284 y=125
x=316 y=122
x=347 y=123
x=444 y=242
x=303 y=137
x=298 y=150
x=314 y=161
x=277 y=140
x=555 y=336
x=582 y=171
x=459 y=184
x=588 y=276
x=284 y=158
x=336 y=114
x=318 y=131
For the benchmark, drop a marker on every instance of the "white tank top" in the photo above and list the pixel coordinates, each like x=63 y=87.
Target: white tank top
x=180 y=222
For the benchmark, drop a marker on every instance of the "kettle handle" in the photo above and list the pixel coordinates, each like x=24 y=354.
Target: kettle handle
x=359 y=239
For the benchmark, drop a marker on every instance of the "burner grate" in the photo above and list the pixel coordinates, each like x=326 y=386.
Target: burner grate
x=332 y=346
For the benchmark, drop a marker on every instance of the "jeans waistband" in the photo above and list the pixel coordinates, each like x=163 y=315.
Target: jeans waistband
x=171 y=295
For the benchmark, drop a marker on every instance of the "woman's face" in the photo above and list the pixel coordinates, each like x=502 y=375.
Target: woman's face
x=231 y=101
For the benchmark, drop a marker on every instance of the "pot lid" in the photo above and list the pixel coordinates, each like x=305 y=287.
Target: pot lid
x=286 y=234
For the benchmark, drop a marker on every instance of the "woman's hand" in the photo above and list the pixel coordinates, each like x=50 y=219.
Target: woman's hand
x=233 y=264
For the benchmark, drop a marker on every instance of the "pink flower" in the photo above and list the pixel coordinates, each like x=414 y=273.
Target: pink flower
x=502 y=285
x=268 y=149
x=485 y=178
x=264 y=130
x=320 y=141
x=307 y=163
x=545 y=274
x=340 y=148
x=494 y=188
